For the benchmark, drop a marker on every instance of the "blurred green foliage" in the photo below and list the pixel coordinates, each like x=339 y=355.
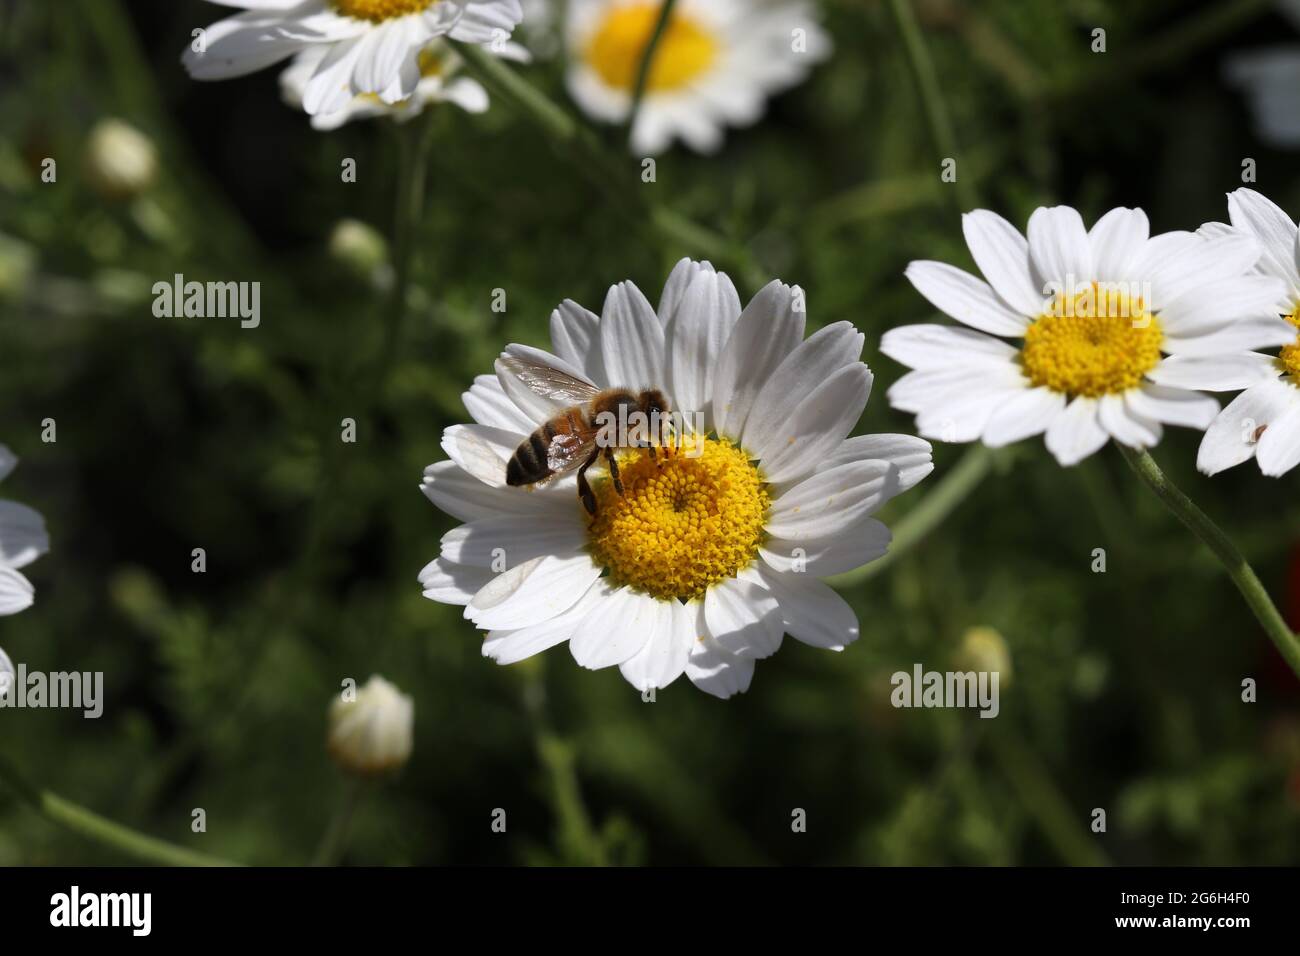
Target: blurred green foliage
x=182 y=433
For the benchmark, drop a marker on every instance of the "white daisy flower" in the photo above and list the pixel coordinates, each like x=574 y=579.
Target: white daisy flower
x=712 y=552
x=1262 y=422
x=1112 y=329
x=23 y=539
x=370 y=46
x=438 y=84
x=716 y=64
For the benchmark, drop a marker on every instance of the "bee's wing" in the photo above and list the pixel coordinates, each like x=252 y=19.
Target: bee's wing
x=568 y=451
x=546 y=380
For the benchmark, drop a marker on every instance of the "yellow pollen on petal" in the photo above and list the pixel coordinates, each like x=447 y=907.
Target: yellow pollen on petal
x=682 y=523
x=1096 y=342
x=376 y=11
x=1288 y=359
x=685 y=50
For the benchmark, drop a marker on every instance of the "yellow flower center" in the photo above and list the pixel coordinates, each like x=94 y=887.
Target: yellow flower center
x=1097 y=342
x=682 y=523
x=376 y=11
x=685 y=50
x=1289 y=358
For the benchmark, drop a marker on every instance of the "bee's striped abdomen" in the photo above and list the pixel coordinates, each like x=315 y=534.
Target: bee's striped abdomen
x=529 y=464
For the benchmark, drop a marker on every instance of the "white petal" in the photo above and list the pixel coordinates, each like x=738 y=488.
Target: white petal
x=696 y=332
x=912 y=456
x=714 y=669
x=481 y=450
x=1173 y=406
x=1126 y=426
x=843 y=550
x=1075 y=433
x=1278 y=450
x=616 y=629
x=1239 y=336
x=510 y=647
x=1174 y=263
x=487 y=404
x=631 y=339
x=1275 y=230
x=8 y=461
x=23 y=538
x=830 y=500
x=1234 y=434
x=683 y=274
x=812 y=612
x=532 y=592
x=965 y=298
x=790 y=445
x=1214 y=373
x=1059 y=246
x=575 y=337
x=1027 y=413
x=451 y=583
x=744 y=618
x=803 y=371
x=1116 y=240
x=939 y=346
x=16 y=592
x=465 y=498
x=506 y=541
x=1212 y=305
x=663 y=659
x=768 y=330
x=1002 y=254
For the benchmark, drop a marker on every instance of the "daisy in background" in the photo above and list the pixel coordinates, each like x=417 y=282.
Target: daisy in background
x=708 y=556
x=363 y=46
x=716 y=63
x=1111 y=331
x=23 y=539
x=1263 y=422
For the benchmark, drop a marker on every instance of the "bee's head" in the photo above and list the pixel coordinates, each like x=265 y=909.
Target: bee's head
x=652 y=400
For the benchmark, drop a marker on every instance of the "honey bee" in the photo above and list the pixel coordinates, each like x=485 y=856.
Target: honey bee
x=570 y=439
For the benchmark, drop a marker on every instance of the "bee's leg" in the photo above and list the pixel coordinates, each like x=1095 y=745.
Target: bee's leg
x=613 y=470
x=584 y=489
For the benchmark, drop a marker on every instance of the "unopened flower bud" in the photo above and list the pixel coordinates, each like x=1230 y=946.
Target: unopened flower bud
x=360 y=249
x=371 y=733
x=121 y=161
x=983 y=649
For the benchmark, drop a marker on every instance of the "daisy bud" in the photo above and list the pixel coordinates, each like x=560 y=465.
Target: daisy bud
x=360 y=249
x=17 y=264
x=370 y=734
x=121 y=161
x=983 y=649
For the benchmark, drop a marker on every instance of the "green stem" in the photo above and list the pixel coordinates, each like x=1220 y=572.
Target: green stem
x=936 y=506
x=647 y=59
x=607 y=172
x=933 y=107
x=412 y=174
x=334 y=840
x=86 y=823
x=1239 y=570
x=1059 y=822
x=577 y=841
